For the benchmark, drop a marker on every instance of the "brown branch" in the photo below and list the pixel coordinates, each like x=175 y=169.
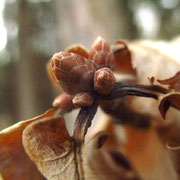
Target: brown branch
x=122 y=89
x=83 y=122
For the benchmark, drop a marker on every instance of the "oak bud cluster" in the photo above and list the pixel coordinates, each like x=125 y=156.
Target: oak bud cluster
x=79 y=73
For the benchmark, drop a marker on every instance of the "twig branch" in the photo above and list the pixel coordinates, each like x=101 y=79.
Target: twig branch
x=122 y=89
x=83 y=122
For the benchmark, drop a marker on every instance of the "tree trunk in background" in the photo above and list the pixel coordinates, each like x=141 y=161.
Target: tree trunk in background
x=34 y=93
x=26 y=95
x=8 y=96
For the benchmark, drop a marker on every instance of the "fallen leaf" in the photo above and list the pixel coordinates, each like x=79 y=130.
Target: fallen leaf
x=49 y=145
x=171 y=99
x=14 y=162
x=153 y=59
x=107 y=162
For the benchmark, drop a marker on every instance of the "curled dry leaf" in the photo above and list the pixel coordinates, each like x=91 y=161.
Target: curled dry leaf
x=14 y=162
x=49 y=145
x=149 y=59
x=173 y=82
x=173 y=97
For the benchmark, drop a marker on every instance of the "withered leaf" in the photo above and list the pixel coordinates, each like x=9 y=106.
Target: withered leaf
x=14 y=162
x=173 y=82
x=141 y=150
x=107 y=162
x=49 y=145
x=148 y=154
x=122 y=57
x=173 y=97
x=153 y=59
x=149 y=60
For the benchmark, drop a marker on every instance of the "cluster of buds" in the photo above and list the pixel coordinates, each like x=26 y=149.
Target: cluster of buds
x=80 y=74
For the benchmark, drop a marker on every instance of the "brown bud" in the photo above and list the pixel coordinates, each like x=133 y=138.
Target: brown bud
x=103 y=80
x=73 y=72
x=101 y=54
x=82 y=100
x=63 y=101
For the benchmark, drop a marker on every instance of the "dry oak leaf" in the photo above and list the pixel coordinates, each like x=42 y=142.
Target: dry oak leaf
x=105 y=157
x=47 y=142
x=173 y=97
x=159 y=59
x=14 y=162
x=49 y=145
x=150 y=58
x=143 y=148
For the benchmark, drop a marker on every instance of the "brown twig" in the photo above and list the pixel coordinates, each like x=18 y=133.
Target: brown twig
x=122 y=89
x=83 y=122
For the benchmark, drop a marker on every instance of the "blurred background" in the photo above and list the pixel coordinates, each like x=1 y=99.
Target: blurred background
x=31 y=31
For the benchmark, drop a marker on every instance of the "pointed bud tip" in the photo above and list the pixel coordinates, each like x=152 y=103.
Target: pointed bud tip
x=97 y=40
